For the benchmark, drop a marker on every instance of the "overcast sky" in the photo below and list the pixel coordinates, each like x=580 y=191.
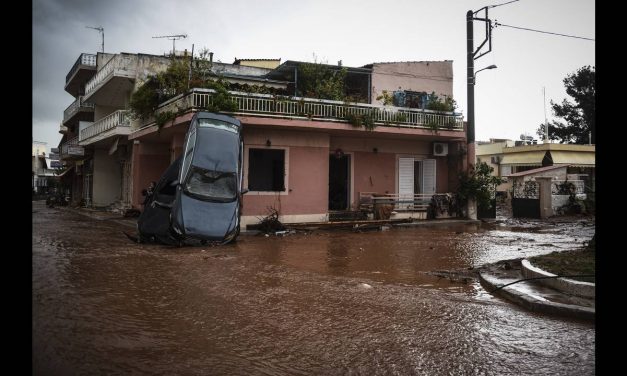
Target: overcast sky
x=508 y=100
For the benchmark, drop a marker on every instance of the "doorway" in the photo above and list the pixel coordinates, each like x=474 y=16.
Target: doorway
x=339 y=182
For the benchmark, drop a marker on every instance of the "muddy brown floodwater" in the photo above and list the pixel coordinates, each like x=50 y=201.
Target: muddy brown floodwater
x=333 y=302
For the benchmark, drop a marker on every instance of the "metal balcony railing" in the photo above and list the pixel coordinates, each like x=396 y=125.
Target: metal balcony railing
x=318 y=109
x=117 y=119
x=70 y=147
x=83 y=59
x=73 y=108
x=119 y=63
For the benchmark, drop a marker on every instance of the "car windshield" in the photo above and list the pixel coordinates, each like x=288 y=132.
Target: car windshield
x=211 y=185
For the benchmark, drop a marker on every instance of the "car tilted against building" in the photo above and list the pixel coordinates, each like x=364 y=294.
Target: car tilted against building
x=203 y=203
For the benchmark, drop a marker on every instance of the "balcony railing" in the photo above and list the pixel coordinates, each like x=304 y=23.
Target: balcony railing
x=72 y=109
x=71 y=148
x=318 y=109
x=117 y=119
x=83 y=59
x=119 y=64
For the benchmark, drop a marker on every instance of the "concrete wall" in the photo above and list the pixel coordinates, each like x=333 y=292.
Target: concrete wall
x=102 y=111
x=149 y=65
x=107 y=178
x=414 y=76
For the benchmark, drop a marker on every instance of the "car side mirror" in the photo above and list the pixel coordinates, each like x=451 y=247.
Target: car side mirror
x=174 y=183
x=244 y=191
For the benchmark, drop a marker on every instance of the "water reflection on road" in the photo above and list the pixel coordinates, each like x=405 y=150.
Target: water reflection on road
x=331 y=302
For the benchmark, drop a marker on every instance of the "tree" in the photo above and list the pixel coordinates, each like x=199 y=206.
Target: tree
x=580 y=115
x=478 y=184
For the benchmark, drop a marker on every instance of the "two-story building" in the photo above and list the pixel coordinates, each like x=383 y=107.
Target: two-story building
x=304 y=157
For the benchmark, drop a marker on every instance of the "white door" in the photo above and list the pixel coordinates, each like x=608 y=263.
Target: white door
x=405 y=181
x=428 y=176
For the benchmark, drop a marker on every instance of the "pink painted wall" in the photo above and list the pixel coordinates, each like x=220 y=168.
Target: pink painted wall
x=373 y=173
x=308 y=186
x=149 y=163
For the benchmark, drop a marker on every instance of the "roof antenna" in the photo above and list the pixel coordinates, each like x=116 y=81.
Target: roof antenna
x=173 y=38
x=101 y=30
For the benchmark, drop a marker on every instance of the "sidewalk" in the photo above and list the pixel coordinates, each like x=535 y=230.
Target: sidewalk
x=531 y=294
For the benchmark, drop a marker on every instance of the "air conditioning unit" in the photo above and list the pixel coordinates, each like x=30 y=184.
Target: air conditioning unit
x=496 y=159
x=440 y=149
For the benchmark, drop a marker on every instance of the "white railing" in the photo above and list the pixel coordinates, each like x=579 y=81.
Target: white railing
x=83 y=59
x=405 y=202
x=119 y=64
x=73 y=108
x=117 y=119
x=317 y=109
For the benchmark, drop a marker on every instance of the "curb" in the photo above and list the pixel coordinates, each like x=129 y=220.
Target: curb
x=536 y=305
x=569 y=286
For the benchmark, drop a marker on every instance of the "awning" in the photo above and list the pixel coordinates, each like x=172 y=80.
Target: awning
x=529 y=158
x=66 y=171
x=573 y=158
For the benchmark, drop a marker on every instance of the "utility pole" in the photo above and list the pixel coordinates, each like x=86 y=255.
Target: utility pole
x=101 y=30
x=546 y=123
x=173 y=38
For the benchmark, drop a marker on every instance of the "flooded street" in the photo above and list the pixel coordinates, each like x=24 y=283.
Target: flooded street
x=324 y=302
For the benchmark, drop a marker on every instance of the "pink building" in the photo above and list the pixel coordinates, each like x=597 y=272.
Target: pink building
x=305 y=158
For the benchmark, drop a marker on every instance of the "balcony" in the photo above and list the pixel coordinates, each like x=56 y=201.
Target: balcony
x=84 y=68
x=79 y=110
x=319 y=109
x=70 y=150
x=115 y=124
x=111 y=85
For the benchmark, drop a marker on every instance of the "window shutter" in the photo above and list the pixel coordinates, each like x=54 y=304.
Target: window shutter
x=428 y=176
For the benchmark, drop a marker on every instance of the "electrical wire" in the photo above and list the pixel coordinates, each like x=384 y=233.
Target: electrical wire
x=540 y=31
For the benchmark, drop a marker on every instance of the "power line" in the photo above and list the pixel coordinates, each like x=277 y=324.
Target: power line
x=540 y=31
x=498 y=5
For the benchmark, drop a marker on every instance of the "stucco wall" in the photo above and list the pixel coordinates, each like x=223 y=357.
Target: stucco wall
x=373 y=173
x=307 y=185
x=107 y=178
x=427 y=76
x=307 y=172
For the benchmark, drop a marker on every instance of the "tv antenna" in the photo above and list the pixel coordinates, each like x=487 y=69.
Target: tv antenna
x=101 y=30
x=173 y=38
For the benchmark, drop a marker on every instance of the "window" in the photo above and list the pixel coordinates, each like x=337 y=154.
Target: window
x=266 y=170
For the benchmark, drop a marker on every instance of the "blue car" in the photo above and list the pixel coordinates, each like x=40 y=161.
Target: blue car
x=208 y=200
x=199 y=197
